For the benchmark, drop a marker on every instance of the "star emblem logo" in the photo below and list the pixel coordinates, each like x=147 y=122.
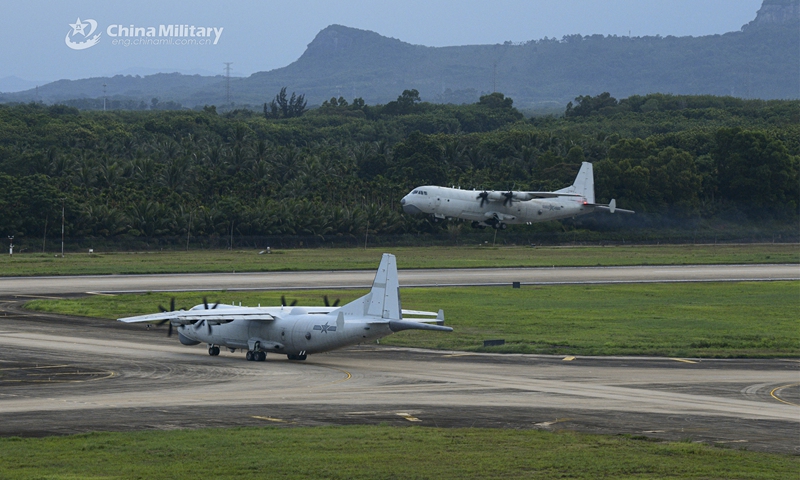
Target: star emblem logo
x=78 y=27
x=325 y=328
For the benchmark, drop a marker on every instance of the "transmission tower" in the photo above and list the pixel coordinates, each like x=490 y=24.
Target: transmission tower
x=228 y=82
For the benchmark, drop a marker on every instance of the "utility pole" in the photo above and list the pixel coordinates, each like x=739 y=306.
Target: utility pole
x=228 y=82
x=62 y=228
x=11 y=245
x=494 y=77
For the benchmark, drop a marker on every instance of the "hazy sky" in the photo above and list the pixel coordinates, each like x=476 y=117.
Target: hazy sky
x=263 y=35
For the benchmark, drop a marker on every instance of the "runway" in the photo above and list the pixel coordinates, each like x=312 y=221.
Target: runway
x=70 y=285
x=62 y=375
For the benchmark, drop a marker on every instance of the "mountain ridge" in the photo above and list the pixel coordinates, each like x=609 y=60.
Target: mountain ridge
x=349 y=62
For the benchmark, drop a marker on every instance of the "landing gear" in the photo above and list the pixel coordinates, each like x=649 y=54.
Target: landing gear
x=213 y=350
x=297 y=357
x=498 y=225
x=255 y=356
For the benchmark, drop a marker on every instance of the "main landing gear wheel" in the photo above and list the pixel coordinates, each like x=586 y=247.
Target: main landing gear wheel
x=255 y=356
x=213 y=351
x=297 y=357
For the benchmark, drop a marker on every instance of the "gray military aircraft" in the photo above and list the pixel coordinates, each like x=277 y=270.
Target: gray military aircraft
x=497 y=209
x=298 y=331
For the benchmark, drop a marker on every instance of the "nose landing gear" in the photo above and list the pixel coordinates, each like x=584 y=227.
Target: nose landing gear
x=213 y=350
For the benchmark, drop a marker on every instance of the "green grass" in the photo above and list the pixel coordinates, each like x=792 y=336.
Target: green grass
x=197 y=261
x=741 y=319
x=375 y=452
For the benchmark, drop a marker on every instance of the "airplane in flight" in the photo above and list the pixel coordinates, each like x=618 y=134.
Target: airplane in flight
x=298 y=331
x=498 y=209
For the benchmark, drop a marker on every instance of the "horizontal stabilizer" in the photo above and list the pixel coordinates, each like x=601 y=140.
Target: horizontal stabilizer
x=612 y=207
x=419 y=313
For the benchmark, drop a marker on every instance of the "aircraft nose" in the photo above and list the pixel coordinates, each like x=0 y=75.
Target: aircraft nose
x=408 y=207
x=412 y=209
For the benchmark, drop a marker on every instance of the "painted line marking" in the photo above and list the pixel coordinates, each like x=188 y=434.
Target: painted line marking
x=101 y=294
x=270 y=419
x=778 y=389
x=683 y=360
x=568 y=358
x=409 y=417
x=38 y=296
x=458 y=355
x=547 y=424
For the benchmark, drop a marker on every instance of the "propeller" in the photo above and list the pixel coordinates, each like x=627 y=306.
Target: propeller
x=171 y=306
x=205 y=304
x=509 y=198
x=328 y=304
x=162 y=322
x=199 y=324
x=283 y=302
x=483 y=197
x=171 y=309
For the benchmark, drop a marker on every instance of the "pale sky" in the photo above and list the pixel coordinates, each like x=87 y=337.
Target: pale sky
x=264 y=35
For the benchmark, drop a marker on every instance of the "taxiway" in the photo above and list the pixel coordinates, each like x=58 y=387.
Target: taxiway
x=63 y=375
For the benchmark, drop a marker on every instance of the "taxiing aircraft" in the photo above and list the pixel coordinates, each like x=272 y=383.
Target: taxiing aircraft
x=498 y=209
x=298 y=331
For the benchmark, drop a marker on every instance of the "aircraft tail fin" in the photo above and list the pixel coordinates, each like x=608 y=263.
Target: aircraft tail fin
x=383 y=301
x=583 y=184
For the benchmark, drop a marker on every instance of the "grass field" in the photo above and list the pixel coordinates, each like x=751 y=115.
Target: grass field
x=198 y=261
x=374 y=452
x=743 y=319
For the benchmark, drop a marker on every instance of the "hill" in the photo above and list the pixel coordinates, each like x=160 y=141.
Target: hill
x=760 y=61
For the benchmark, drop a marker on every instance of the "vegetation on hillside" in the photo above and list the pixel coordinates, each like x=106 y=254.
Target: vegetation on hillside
x=759 y=62
x=341 y=169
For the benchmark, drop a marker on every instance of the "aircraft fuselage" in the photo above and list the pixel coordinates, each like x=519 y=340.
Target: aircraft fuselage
x=444 y=202
x=293 y=331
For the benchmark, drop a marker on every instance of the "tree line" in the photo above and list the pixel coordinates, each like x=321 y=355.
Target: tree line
x=342 y=168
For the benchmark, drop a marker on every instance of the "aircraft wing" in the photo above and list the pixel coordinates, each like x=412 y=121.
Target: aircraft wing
x=531 y=195
x=184 y=317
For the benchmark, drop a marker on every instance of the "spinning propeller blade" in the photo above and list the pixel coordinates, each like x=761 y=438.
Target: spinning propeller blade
x=328 y=304
x=509 y=198
x=483 y=197
x=283 y=302
x=171 y=309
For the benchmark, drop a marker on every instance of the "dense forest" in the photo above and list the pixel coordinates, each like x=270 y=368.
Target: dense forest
x=340 y=170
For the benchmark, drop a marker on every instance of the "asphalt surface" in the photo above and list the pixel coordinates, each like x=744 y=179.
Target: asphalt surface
x=63 y=375
x=37 y=286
